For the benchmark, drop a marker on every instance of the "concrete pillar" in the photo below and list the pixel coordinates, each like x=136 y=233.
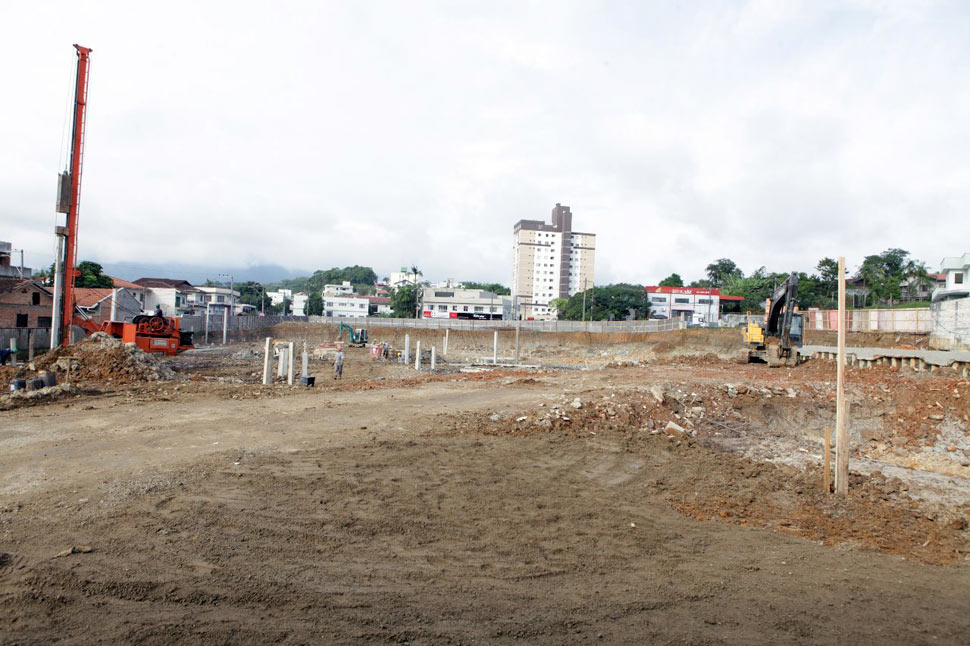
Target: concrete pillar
x=268 y=362
x=225 y=327
x=516 y=341
x=13 y=351
x=407 y=349
x=305 y=370
x=434 y=358
x=444 y=348
x=291 y=362
x=495 y=348
x=417 y=355
x=281 y=363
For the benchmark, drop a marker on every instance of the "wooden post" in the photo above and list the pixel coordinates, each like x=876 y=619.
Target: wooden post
x=828 y=460
x=841 y=428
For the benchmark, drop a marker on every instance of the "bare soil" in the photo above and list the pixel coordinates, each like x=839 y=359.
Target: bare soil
x=548 y=505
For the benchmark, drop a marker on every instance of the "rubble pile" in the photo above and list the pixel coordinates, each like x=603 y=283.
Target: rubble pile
x=104 y=358
x=19 y=398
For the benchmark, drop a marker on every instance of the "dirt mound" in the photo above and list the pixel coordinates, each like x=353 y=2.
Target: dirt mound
x=727 y=487
x=103 y=357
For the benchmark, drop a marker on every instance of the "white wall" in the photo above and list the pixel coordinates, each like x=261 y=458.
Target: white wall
x=951 y=325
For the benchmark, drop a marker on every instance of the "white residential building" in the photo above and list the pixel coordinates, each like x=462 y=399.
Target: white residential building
x=216 y=299
x=280 y=295
x=957 y=270
x=345 y=306
x=550 y=261
x=404 y=277
x=465 y=304
x=175 y=297
x=343 y=289
x=298 y=303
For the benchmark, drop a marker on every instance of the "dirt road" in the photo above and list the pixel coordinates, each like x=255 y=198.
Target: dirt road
x=421 y=514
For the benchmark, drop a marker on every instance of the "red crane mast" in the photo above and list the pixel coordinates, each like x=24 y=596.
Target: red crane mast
x=70 y=203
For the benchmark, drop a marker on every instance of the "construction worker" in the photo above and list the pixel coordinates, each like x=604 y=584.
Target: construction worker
x=338 y=364
x=158 y=310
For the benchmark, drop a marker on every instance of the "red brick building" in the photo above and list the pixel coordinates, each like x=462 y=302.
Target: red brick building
x=24 y=304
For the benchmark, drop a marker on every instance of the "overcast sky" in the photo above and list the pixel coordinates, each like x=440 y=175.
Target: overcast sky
x=315 y=134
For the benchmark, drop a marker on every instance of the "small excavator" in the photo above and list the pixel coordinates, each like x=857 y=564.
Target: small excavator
x=356 y=338
x=778 y=340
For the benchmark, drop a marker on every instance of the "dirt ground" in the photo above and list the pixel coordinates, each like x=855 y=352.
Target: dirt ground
x=644 y=490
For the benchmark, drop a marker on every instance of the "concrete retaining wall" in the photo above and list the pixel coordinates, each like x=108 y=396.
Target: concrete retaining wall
x=951 y=325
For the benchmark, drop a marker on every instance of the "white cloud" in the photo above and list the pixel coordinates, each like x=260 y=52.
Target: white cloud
x=314 y=135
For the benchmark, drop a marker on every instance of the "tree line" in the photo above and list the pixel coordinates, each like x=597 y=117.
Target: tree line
x=882 y=276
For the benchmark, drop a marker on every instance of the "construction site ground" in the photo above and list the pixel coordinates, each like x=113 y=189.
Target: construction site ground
x=181 y=501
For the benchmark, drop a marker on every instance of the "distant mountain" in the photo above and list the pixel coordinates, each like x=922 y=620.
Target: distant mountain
x=198 y=274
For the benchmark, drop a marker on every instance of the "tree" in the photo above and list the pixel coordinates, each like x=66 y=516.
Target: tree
x=92 y=275
x=883 y=274
x=495 y=288
x=314 y=304
x=253 y=293
x=673 y=280
x=721 y=271
x=404 y=301
x=703 y=283
x=417 y=294
x=917 y=276
x=611 y=302
x=283 y=308
x=828 y=271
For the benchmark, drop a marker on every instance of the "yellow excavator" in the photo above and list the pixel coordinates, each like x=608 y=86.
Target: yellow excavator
x=777 y=341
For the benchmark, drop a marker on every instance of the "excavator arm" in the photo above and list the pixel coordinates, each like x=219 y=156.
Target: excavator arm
x=781 y=311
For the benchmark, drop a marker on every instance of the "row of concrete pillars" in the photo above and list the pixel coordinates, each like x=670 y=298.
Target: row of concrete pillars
x=916 y=364
x=286 y=361
x=406 y=357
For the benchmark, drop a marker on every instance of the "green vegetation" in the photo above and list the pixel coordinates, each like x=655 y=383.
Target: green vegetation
x=362 y=278
x=495 y=288
x=404 y=301
x=721 y=271
x=92 y=275
x=253 y=293
x=609 y=303
x=673 y=280
x=314 y=304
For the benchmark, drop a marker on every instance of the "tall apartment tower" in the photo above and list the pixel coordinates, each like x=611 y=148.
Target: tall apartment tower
x=551 y=261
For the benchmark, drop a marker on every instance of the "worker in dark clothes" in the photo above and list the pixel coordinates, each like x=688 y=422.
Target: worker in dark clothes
x=158 y=310
x=4 y=355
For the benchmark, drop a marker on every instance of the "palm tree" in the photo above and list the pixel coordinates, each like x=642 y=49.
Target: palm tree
x=417 y=301
x=917 y=277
